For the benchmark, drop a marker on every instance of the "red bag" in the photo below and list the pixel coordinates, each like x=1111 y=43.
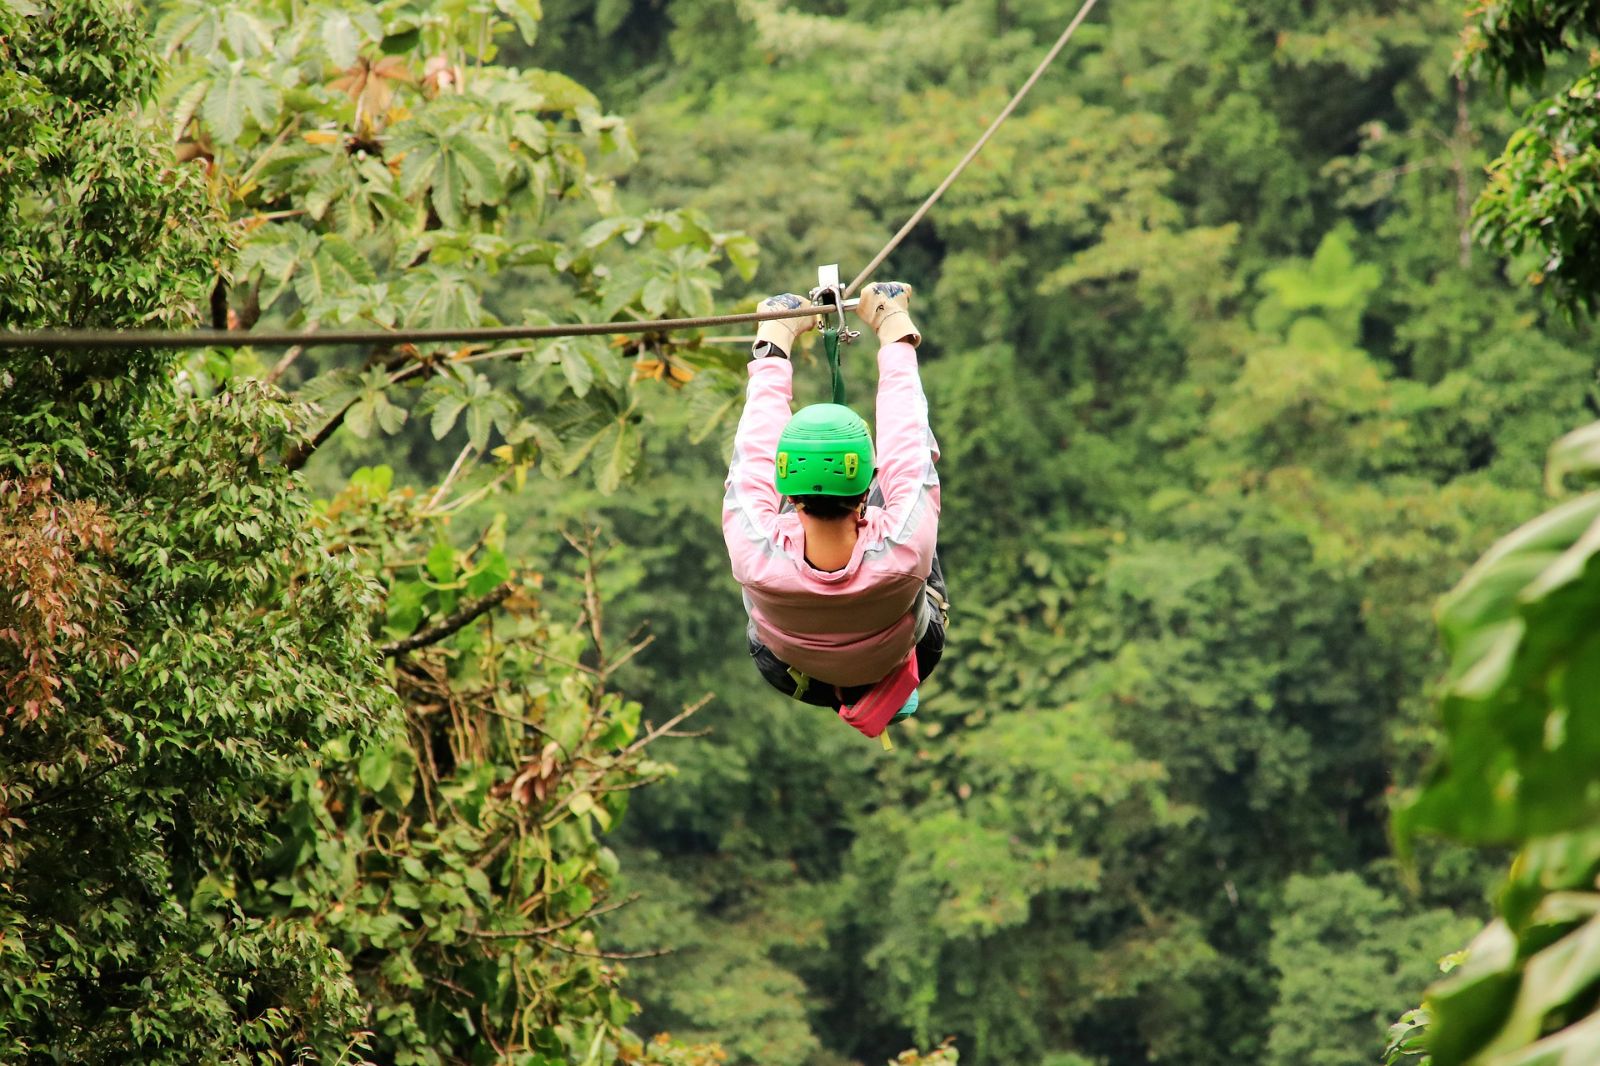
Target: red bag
x=873 y=711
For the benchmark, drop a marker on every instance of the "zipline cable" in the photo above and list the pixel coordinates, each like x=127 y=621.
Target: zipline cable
x=972 y=153
x=86 y=339
x=73 y=339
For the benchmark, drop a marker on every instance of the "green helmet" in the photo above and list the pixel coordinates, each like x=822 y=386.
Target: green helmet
x=825 y=450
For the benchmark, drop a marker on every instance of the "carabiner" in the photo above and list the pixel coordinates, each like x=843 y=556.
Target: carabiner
x=830 y=292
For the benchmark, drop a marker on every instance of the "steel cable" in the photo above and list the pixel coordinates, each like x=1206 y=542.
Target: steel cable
x=972 y=153
x=78 y=339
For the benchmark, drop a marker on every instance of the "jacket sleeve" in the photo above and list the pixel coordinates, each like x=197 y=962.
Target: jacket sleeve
x=750 y=506
x=907 y=450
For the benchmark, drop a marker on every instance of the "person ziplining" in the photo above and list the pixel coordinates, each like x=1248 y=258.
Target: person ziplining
x=834 y=543
x=841 y=579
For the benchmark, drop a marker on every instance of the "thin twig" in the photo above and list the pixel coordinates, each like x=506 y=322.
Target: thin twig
x=451 y=985
x=629 y=654
x=282 y=365
x=435 y=633
x=468 y=498
x=621 y=956
x=455 y=468
x=661 y=731
x=498 y=353
x=277 y=142
x=45 y=799
x=534 y=934
x=520 y=720
x=572 y=664
x=591 y=593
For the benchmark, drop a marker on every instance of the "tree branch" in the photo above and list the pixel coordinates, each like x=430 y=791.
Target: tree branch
x=219 y=304
x=618 y=955
x=45 y=799
x=282 y=365
x=289 y=357
x=666 y=729
x=543 y=931
x=630 y=653
x=439 y=631
x=444 y=486
x=296 y=457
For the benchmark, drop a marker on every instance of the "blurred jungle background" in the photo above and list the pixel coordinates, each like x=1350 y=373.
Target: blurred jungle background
x=390 y=703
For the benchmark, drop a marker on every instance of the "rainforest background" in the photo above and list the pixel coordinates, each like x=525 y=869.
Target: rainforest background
x=322 y=742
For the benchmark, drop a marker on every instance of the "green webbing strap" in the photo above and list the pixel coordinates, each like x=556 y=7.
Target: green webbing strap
x=830 y=344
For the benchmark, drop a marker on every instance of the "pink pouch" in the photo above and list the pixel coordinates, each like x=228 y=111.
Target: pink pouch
x=873 y=711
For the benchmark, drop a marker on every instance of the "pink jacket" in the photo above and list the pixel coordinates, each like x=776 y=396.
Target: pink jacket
x=852 y=626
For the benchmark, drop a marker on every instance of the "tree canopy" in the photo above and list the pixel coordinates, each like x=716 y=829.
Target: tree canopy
x=335 y=678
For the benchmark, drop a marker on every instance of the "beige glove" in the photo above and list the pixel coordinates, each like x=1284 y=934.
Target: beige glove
x=780 y=333
x=885 y=308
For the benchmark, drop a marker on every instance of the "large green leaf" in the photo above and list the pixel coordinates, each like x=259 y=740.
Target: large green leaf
x=526 y=15
x=609 y=15
x=481 y=163
x=1577 y=452
x=1468 y=1006
x=374 y=407
x=1576 y=1045
x=235 y=94
x=245 y=32
x=274 y=254
x=488 y=574
x=335 y=268
x=342 y=38
x=437 y=297
x=618 y=452
x=1551 y=980
x=445 y=412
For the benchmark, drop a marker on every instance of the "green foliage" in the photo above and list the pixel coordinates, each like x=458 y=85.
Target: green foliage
x=1516 y=41
x=1539 y=198
x=99 y=233
x=1516 y=767
x=175 y=637
x=457 y=860
x=1223 y=396
x=145 y=780
x=1350 y=956
x=381 y=168
x=1223 y=400
x=1538 y=204
x=1499 y=782
x=224 y=839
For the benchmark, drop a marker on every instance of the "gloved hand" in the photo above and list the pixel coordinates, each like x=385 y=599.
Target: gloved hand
x=885 y=308
x=780 y=333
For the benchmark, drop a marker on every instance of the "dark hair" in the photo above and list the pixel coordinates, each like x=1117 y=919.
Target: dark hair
x=829 y=507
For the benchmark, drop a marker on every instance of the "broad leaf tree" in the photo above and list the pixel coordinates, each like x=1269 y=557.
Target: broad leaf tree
x=1539 y=206
x=176 y=642
x=380 y=168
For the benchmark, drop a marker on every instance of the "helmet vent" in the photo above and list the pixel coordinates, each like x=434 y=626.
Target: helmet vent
x=824 y=449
